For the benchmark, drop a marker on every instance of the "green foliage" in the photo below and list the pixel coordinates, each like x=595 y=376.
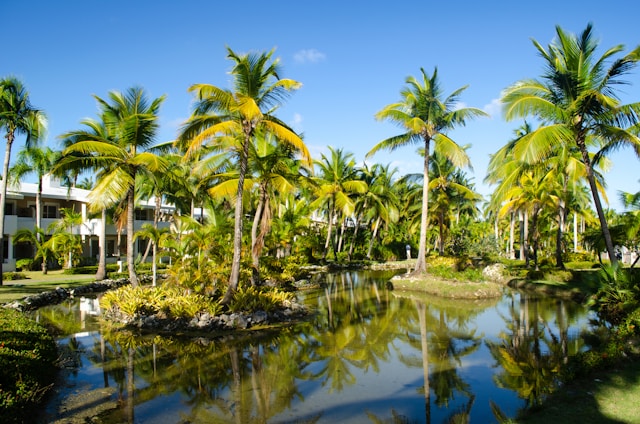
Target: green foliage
x=252 y=298
x=26 y=264
x=608 y=348
x=171 y=302
x=90 y=269
x=618 y=295
x=27 y=365
x=11 y=276
x=282 y=270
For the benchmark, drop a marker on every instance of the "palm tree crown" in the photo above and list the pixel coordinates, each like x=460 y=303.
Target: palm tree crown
x=425 y=115
x=576 y=99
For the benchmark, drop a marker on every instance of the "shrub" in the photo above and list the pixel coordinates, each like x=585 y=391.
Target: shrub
x=10 y=276
x=26 y=264
x=27 y=365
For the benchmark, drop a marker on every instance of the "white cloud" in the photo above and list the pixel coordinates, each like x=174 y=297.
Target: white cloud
x=493 y=108
x=296 y=123
x=309 y=56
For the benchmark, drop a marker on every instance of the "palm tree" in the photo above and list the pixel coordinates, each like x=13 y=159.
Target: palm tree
x=17 y=116
x=156 y=236
x=576 y=99
x=132 y=123
x=67 y=242
x=73 y=164
x=44 y=249
x=337 y=180
x=34 y=160
x=426 y=115
x=239 y=114
x=450 y=189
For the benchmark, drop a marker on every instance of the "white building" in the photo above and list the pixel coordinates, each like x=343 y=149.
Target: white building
x=20 y=212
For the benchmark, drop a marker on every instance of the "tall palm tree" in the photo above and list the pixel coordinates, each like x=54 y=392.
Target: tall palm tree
x=36 y=160
x=132 y=123
x=576 y=99
x=426 y=115
x=73 y=164
x=17 y=116
x=219 y=113
x=335 y=182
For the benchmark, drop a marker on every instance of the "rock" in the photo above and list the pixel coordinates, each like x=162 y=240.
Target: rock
x=259 y=317
x=495 y=273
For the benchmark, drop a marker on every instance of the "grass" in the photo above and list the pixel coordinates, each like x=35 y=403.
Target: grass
x=612 y=396
x=37 y=282
x=454 y=289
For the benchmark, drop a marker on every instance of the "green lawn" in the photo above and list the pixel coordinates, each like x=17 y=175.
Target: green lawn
x=37 y=282
x=606 y=397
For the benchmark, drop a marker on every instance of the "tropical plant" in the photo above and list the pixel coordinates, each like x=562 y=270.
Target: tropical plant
x=427 y=115
x=230 y=120
x=36 y=160
x=576 y=100
x=336 y=180
x=17 y=116
x=44 y=248
x=156 y=236
x=131 y=124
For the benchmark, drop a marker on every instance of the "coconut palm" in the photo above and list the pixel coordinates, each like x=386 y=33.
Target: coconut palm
x=336 y=180
x=156 y=236
x=575 y=99
x=73 y=164
x=44 y=249
x=62 y=229
x=131 y=121
x=221 y=114
x=426 y=115
x=17 y=116
x=39 y=161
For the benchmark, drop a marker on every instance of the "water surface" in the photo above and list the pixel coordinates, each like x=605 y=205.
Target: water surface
x=367 y=354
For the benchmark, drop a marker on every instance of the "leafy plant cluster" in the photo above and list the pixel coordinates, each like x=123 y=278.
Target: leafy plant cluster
x=174 y=302
x=27 y=365
x=618 y=296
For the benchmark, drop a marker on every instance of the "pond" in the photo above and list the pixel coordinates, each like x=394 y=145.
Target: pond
x=366 y=354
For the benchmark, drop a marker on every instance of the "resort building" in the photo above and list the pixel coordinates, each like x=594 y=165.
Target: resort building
x=20 y=212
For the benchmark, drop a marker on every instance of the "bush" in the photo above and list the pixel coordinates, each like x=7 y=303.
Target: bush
x=27 y=365
x=26 y=264
x=10 y=276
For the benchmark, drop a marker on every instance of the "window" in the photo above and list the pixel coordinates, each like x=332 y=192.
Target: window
x=141 y=215
x=111 y=247
x=5 y=250
x=9 y=209
x=49 y=211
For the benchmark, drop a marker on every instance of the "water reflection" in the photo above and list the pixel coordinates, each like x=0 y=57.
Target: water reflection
x=366 y=355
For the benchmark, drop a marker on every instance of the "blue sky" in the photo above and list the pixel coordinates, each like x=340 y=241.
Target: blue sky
x=352 y=58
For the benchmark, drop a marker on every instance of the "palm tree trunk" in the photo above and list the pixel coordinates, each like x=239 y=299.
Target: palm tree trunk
x=355 y=235
x=441 y=234
x=255 y=250
x=133 y=278
x=101 y=274
x=234 y=278
x=342 y=227
x=559 y=233
x=421 y=264
x=327 y=243
x=512 y=224
x=373 y=237
x=596 y=201
x=3 y=198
